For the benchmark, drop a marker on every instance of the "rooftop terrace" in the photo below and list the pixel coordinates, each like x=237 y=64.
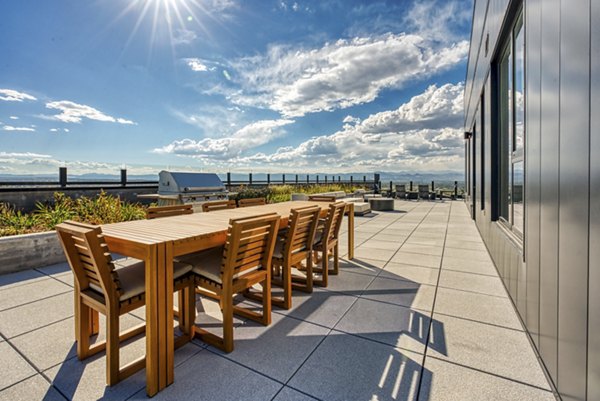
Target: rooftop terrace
x=419 y=313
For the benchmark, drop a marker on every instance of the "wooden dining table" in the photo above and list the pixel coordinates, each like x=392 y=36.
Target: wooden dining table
x=157 y=242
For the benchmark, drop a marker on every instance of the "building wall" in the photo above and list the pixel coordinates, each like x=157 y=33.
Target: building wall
x=553 y=275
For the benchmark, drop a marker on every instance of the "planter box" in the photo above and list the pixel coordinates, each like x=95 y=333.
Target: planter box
x=22 y=252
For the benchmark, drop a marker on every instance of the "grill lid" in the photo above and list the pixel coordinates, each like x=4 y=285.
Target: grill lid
x=170 y=182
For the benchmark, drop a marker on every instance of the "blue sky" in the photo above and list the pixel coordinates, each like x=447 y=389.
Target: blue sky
x=232 y=85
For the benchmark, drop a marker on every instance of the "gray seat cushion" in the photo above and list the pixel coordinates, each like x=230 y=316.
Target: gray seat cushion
x=131 y=274
x=208 y=264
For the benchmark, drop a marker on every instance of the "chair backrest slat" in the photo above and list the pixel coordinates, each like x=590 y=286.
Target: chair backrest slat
x=218 y=205
x=251 y=202
x=88 y=257
x=166 y=211
x=334 y=221
x=250 y=244
x=302 y=226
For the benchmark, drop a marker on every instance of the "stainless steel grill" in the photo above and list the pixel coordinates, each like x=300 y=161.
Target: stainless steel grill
x=189 y=188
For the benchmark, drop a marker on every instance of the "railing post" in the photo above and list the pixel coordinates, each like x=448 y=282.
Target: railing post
x=62 y=176
x=317 y=179
x=410 y=186
x=432 y=186
x=455 y=189
x=365 y=179
x=269 y=179
x=123 y=177
x=308 y=178
x=250 y=179
x=283 y=179
x=391 y=188
x=339 y=178
x=325 y=178
x=351 y=181
x=296 y=179
x=229 y=180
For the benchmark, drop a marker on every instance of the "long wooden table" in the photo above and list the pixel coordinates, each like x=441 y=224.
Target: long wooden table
x=157 y=242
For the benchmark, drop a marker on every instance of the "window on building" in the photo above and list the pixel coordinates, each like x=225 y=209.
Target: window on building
x=512 y=129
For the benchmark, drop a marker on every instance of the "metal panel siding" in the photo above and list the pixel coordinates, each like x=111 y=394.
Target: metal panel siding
x=532 y=170
x=574 y=198
x=550 y=46
x=488 y=147
x=593 y=391
x=478 y=65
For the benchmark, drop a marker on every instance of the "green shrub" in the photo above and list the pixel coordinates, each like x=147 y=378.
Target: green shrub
x=101 y=209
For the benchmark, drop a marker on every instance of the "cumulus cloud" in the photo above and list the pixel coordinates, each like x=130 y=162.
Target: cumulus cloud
x=423 y=133
x=71 y=112
x=198 y=65
x=345 y=73
x=10 y=95
x=441 y=21
x=248 y=137
x=23 y=155
x=12 y=128
x=13 y=117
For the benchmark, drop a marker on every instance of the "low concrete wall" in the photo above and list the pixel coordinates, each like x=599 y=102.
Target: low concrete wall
x=22 y=252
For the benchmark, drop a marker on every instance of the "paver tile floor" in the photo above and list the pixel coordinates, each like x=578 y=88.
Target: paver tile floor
x=418 y=314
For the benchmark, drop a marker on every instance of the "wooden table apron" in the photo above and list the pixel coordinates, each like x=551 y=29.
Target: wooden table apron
x=157 y=242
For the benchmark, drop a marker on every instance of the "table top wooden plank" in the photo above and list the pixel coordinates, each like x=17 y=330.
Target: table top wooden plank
x=196 y=225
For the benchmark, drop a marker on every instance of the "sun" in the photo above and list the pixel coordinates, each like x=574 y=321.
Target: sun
x=170 y=16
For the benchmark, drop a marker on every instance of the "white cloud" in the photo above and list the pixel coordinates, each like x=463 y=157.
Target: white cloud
x=226 y=75
x=72 y=112
x=184 y=36
x=248 y=137
x=198 y=65
x=13 y=117
x=66 y=129
x=338 y=75
x=10 y=95
x=442 y=21
x=422 y=134
x=23 y=155
x=12 y=128
x=53 y=129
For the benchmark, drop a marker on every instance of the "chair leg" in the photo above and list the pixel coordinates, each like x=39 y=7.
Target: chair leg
x=336 y=260
x=227 y=309
x=112 y=347
x=287 y=286
x=266 y=295
x=182 y=312
x=82 y=327
x=309 y=274
x=325 y=266
x=189 y=309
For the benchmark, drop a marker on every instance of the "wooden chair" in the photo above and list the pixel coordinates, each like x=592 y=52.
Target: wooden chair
x=113 y=288
x=326 y=242
x=218 y=205
x=291 y=249
x=252 y=202
x=322 y=198
x=244 y=261
x=166 y=211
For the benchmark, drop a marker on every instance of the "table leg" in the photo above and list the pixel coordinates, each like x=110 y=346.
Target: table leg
x=152 y=333
x=350 y=230
x=160 y=343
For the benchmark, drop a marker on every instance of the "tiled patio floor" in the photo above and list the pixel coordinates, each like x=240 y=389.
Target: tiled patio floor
x=420 y=313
